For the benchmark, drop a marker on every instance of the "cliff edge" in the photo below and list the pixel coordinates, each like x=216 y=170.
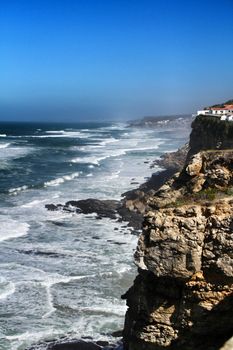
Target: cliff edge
x=182 y=297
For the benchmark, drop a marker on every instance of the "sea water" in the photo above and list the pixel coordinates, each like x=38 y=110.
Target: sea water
x=62 y=274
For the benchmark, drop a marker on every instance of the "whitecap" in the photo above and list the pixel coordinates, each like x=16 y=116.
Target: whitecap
x=55 y=131
x=96 y=160
x=2 y=135
x=16 y=190
x=55 y=182
x=33 y=203
x=12 y=229
x=60 y=180
x=4 y=145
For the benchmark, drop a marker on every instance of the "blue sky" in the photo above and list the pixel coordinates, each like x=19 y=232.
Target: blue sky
x=113 y=59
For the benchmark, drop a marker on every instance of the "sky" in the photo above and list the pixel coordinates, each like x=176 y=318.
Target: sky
x=78 y=60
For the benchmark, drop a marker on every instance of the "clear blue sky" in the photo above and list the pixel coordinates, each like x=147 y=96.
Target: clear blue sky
x=116 y=59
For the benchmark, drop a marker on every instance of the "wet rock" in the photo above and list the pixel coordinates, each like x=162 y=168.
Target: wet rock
x=75 y=345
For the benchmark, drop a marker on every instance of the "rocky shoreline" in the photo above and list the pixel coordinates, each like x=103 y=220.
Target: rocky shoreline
x=77 y=344
x=133 y=205
x=131 y=210
x=182 y=297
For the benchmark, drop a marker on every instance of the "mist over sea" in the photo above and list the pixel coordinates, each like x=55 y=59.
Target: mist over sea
x=62 y=274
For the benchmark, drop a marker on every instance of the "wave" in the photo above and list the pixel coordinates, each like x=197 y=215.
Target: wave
x=6 y=288
x=57 y=279
x=4 y=145
x=33 y=203
x=96 y=160
x=110 y=140
x=2 y=135
x=10 y=153
x=61 y=133
x=60 y=180
x=25 y=339
x=55 y=131
x=16 y=190
x=12 y=229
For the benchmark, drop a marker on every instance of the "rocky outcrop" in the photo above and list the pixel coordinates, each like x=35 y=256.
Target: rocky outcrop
x=134 y=203
x=182 y=297
x=173 y=160
x=209 y=132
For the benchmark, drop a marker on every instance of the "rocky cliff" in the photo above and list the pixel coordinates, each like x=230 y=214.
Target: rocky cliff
x=182 y=297
x=209 y=132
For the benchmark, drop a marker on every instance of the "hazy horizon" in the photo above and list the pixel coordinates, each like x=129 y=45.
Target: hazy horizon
x=113 y=60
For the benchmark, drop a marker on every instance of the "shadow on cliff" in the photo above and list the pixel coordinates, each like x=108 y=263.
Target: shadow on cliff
x=149 y=294
x=210 y=330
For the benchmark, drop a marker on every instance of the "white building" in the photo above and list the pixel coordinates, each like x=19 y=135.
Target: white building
x=203 y=112
x=225 y=112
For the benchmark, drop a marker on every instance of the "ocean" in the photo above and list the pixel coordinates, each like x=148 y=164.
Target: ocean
x=62 y=274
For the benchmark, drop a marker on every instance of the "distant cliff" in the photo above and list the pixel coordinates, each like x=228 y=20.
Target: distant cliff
x=182 y=297
x=170 y=121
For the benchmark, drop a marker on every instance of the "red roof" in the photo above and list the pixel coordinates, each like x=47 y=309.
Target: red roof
x=226 y=107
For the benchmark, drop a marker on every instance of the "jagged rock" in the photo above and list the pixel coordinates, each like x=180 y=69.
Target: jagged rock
x=195 y=165
x=183 y=296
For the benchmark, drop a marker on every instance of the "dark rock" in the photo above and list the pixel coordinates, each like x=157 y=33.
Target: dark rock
x=102 y=343
x=75 y=345
x=117 y=333
x=40 y=253
x=53 y=207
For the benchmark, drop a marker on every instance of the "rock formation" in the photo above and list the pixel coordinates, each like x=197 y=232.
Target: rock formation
x=182 y=297
x=209 y=132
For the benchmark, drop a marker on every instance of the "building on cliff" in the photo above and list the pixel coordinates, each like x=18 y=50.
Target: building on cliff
x=224 y=112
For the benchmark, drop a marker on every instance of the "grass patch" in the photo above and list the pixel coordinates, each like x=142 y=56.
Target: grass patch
x=207 y=195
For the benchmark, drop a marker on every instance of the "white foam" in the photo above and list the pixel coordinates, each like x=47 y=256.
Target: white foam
x=86 y=160
x=56 y=279
x=96 y=160
x=2 y=135
x=62 y=133
x=12 y=229
x=55 y=131
x=4 y=145
x=6 y=288
x=60 y=180
x=16 y=190
x=110 y=140
x=25 y=339
x=8 y=152
x=33 y=203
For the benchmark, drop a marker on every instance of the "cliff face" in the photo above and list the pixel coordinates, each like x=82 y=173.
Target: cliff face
x=182 y=297
x=210 y=133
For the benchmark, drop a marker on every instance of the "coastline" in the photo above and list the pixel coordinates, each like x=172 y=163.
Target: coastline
x=131 y=210
x=133 y=205
x=52 y=238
